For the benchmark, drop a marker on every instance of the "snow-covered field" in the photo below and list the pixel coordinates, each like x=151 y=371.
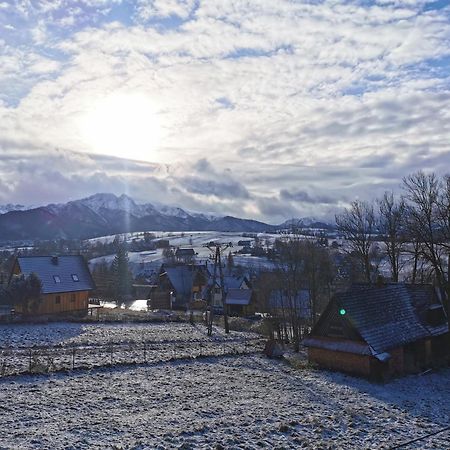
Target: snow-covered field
x=230 y=402
x=69 y=334
x=149 y=261
x=61 y=346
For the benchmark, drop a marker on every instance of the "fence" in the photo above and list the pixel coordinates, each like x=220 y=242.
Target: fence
x=15 y=361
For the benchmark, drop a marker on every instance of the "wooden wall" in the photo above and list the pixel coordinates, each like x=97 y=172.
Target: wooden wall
x=345 y=362
x=60 y=303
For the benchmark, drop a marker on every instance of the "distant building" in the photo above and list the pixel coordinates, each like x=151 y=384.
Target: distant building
x=381 y=330
x=239 y=302
x=182 y=283
x=66 y=282
x=230 y=282
x=185 y=255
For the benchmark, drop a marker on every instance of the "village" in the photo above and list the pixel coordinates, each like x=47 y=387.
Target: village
x=289 y=340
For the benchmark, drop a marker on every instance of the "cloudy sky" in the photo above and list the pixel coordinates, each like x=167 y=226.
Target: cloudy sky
x=255 y=108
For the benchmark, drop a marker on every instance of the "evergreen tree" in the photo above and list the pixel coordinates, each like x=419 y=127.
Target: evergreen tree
x=122 y=277
x=26 y=291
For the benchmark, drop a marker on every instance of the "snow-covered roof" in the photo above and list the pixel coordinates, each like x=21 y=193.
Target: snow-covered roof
x=68 y=273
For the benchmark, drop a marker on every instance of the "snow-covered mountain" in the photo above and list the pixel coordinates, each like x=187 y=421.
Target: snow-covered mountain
x=99 y=203
x=10 y=207
x=102 y=214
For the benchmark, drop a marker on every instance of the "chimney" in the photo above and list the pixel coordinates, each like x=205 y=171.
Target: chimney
x=55 y=260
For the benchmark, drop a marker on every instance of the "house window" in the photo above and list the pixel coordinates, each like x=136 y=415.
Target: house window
x=75 y=277
x=58 y=300
x=73 y=298
x=57 y=278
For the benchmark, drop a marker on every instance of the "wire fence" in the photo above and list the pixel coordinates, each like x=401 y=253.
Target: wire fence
x=29 y=360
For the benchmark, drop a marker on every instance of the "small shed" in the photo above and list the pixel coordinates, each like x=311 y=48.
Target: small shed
x=381 y=330
x=239 y=301
x=185 y=254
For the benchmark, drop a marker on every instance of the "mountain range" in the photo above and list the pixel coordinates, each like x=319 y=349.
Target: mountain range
x=104 y=214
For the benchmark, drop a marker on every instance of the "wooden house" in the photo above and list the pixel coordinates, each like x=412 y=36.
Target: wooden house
x=232 y=284
x=379 y=331
x=66 y=282
x=183 y=283
x=185 y=255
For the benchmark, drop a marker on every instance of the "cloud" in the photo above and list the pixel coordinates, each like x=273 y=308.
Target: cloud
x=268 y=109
x=302 y=196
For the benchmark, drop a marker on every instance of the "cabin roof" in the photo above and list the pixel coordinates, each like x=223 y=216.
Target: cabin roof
x=238 y=297
x=181 y=278
x=184 y=252
x=67 y=273
x=389 y=315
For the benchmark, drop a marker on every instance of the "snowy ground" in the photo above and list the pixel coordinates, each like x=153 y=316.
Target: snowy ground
x=61 y=346
x=149 y=261
x=67 y=333
x=230 y=402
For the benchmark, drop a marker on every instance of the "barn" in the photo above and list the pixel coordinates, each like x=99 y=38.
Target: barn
x=380 y=331
x=66 y=282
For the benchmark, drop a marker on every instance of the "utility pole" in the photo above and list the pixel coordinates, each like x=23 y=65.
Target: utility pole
x=217 y=249
x=448 y=290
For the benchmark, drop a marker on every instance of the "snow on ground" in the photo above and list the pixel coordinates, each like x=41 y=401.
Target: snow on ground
x=151 y=260
x=68 y=333
x=61 y=346
x=231 y=402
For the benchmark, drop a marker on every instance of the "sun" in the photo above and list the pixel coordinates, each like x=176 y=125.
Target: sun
x=123 y=125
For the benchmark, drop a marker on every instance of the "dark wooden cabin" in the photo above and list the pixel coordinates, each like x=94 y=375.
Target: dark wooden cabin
x=66 y=282
x=379 y=331
x=180 y=284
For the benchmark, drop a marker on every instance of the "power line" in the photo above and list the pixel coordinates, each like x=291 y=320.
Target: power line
x=403 y=444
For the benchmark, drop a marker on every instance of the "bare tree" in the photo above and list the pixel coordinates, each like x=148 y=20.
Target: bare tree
x=391 y=226
x=358 y=225
x=429 y=224
x=303 y=267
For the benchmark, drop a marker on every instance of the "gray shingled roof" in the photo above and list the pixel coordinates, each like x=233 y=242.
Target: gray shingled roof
x=184 y=252
x=238 y=297
x=387 y=316
x=182 y=279
x=231 y=282
x=66 y=266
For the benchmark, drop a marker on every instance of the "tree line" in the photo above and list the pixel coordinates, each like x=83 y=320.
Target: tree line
x=413 y=227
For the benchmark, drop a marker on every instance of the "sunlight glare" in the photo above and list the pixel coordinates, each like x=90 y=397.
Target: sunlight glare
x=122 y=125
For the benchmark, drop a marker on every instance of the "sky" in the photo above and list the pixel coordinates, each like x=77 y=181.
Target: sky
x=253 y=108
